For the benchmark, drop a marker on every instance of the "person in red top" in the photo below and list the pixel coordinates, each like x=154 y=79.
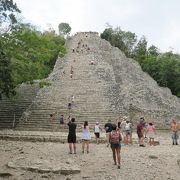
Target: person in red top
x=140 y=132
x=115 y=141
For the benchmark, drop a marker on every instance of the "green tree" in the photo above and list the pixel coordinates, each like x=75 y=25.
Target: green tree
x=6 y=82
x=129 y=40
x=153 y=51
x=125 y=41
x=169 y=64
x=8 y=9
x=107 y=34
x=163 y=67
x=34 y=53
x=140 y=51
x=64 y=29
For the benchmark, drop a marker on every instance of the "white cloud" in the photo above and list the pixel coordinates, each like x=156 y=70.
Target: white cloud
x=157 y=20
x=170 y=38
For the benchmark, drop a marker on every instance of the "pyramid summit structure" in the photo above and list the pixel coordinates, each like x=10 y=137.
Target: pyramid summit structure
x=96 y=82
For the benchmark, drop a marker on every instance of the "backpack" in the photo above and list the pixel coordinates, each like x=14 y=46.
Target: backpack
x=115 y=137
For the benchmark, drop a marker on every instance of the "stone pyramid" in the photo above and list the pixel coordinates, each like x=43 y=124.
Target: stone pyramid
x=100 y=83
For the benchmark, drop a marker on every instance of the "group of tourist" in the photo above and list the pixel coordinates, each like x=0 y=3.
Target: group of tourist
x=81 y=48
x=116 y=134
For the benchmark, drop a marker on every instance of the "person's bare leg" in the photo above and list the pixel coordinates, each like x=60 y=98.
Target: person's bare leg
x=118 y=156
x=130 y=138
x=153 y=143
x=96 y=140
x=124 y=139
x=127 y=139
x=150 y=142
x=74 y=147
x=107 y=139
x=83 y=144
x=70 y=148
x=114 y=155
x=141 y=141
x=87 y=143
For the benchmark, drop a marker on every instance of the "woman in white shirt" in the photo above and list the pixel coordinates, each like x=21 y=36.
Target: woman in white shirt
x=97 y=132
x=85 y=136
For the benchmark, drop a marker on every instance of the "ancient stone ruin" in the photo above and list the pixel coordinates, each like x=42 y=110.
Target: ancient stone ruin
x=96 y=82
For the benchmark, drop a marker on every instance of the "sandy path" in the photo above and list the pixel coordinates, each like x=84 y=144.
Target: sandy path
x=98 y=164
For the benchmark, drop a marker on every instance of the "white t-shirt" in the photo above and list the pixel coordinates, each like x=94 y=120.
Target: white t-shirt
x=96 y=129
x=128 y=126
x=123 y=124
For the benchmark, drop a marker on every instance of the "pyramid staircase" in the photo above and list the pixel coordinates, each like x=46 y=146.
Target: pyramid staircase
x=111 y=87
x=11 y=109
x=89 y=85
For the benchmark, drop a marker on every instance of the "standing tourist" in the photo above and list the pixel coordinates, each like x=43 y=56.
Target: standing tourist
x=174 y=129
x=86 y=137
x=97 y=132
x=128 y=133
x=61 y=120
x=115 y=141
x=108 y=129
x=141 y=132
x=150 y=130
x=72 y=135
x=53 y=116
x=123 y=131
x=118 y=122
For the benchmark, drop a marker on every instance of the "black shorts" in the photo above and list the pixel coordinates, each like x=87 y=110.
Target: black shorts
x=71 y=139
x=97 y=135
x=140 y=135
x=115 y=146
x=61 y=122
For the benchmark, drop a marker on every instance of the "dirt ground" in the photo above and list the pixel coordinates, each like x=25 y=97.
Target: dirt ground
x=161 y=162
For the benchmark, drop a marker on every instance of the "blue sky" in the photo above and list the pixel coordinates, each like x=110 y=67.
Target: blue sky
x=158 y=20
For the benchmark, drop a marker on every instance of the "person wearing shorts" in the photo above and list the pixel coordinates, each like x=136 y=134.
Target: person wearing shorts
x=140 y=132
x=115 y=141
x=72 y=135
x=128 y=133
x=97 y=132
x=175 y=128
x=61 y=121
x=85 y=137
x=108 y=129
x=151 y=133
x=123 y=131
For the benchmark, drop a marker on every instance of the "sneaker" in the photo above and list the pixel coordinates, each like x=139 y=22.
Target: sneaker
x=176 y=143
x=142 y=145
